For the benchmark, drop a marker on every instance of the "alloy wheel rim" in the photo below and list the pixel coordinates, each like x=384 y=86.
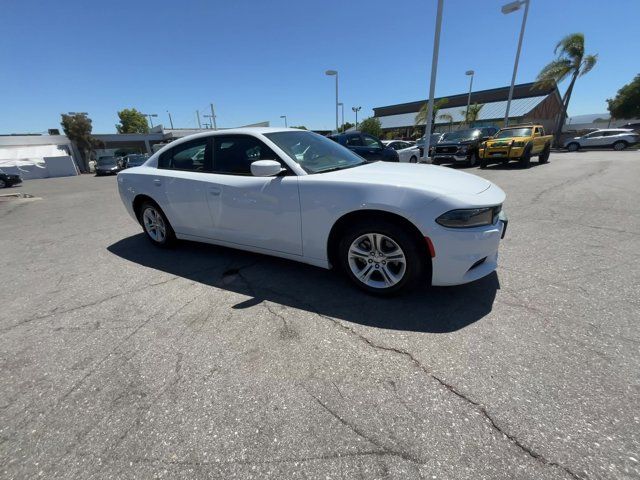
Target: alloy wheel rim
x=377 y=260
x=154 y=224
x=2 y=184
x=618 y=146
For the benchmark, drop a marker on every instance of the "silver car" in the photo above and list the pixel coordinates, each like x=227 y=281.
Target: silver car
x=616 y=138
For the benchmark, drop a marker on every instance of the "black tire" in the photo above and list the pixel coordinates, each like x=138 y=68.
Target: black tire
x=473 y=159
x=413 y=159
x=163 y=241
x=544 y=155
x=573 y=147
x=3 y=184
x=435 y=162
x=525 y=159
x=415 y=261
x=483 y=163
x=620 y=145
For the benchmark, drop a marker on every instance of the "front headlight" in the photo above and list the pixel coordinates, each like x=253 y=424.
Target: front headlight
x=469 y=217
x=518 y=144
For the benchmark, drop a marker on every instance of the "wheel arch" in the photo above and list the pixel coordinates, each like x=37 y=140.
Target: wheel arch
x=340 y=226
x=138 y=201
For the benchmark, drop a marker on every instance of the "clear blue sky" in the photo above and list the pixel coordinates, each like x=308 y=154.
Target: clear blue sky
x=258 y=59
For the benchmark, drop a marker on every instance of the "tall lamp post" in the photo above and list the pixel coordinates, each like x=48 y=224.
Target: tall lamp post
x=341 y=105
x=149 y=116
x=334 y=73
x=469 y=73
x=170 y=119
x=356 y=110
x=507 y=9
x=432 y=86
x=285 y=120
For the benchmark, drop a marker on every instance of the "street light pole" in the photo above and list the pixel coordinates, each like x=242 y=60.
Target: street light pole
x=285 y=120
x=432 y=86
x=198 y=117
x=170 y=119
x=470 y=73
x=213 y=117
x=507 y=9
x=149 y=116
x=341 y=105
x=356 y=110
x=335 y=73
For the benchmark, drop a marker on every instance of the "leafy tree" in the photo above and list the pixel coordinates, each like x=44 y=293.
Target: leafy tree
x=301 y=127
x=421 y=117
x=132 y=121
x=346 y=126
x=471 y=115
x=626 y=103
x=371 y=126
x=571 y=62
x=77 y=128
x=447 y=118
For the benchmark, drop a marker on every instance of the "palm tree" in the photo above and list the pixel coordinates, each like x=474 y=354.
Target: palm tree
x=572 y=62
x=448 y=118
x=471 y=115
x=421 y=117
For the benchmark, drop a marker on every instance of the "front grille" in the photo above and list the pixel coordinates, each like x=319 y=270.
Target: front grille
x=446 y=149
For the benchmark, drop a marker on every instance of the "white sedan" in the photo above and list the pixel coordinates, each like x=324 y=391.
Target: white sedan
x=298 y=195
x=408 y=152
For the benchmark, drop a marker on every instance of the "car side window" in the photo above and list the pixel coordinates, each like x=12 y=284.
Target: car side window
x=370 y=141
x=190 y=156
x=234 y=154
x=536 y=131
x=354 y=141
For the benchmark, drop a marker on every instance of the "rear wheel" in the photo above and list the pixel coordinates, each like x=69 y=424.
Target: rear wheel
x=381 y=257
x=3 y=184
x=156 y=226
x=473 y=159
x=544 y=155
x=620 y=145
x=525 y=159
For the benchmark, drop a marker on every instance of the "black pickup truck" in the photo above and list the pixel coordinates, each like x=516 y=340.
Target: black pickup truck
x=461 y=146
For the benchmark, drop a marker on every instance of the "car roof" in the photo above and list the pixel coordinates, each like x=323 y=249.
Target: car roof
x=613 y=130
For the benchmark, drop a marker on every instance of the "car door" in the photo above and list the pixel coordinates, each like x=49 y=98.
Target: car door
x=353 y=141
x=538 y=141
x=373 y=147
x=182 y=177
x=593 y=139
x=262 y=212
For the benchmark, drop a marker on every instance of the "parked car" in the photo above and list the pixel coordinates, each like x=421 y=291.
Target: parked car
x=9 y=180
x=435 y=138
x=367 y=146
x=520 y=142
x=408 y=152
x=298 y=195
x=107 y=166
x=461 y=146
x=134 y=160
x=616 y=138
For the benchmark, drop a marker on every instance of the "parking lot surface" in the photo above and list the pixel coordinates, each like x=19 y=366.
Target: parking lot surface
x=119 y=360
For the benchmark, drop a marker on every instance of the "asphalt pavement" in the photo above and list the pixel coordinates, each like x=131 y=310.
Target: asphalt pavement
x=119 y=360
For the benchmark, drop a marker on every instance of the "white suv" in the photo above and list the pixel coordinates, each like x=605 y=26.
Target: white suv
x=616 y=138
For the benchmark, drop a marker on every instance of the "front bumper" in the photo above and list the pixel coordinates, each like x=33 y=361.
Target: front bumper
x=444 y=157
x=467 y=254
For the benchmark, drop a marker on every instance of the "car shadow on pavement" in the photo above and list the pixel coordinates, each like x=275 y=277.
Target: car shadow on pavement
x=323 y=292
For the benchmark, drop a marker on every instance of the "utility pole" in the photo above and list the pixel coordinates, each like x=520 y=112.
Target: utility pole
x=356 y=110
x=198 y=117
x=507 y=9
x=213 y=117
x=432 y=86
x=170 y=119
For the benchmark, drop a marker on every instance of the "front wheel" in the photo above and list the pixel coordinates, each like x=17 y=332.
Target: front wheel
x=413 y=159
x=621 y=145
x=156 y=226
x=544 y=155
x=3 y=184
x=381 y=257
x=473 y=159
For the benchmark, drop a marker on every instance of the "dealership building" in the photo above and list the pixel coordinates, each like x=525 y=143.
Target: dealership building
x=530 y=103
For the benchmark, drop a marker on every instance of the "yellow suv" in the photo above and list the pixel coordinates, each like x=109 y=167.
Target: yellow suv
x=519 y=142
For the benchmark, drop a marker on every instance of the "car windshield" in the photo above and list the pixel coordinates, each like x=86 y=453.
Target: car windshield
x=513 y=132
x=315 y=153
x=136 y=160
x=107 y=161
x=461 y=135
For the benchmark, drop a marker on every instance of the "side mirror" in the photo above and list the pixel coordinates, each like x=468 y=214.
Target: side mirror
x=266 y=168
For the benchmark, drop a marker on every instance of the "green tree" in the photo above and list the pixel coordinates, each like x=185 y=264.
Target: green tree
x=447 y=118
x=301 y=127
x=132 y=121
x=346 y=126
x=371 y=126
x=471 y=115
x=77 y=128
x=626 y=103
x=421 y=116
x=571 y=62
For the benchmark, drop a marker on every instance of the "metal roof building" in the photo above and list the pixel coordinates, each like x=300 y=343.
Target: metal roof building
x=529 y=104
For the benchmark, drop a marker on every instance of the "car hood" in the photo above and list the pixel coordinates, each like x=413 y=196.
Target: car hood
x=430 y=178
x=455 y=144
x=503 y=142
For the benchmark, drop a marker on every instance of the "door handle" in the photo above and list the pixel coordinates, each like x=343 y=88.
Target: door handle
x=157 y=182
